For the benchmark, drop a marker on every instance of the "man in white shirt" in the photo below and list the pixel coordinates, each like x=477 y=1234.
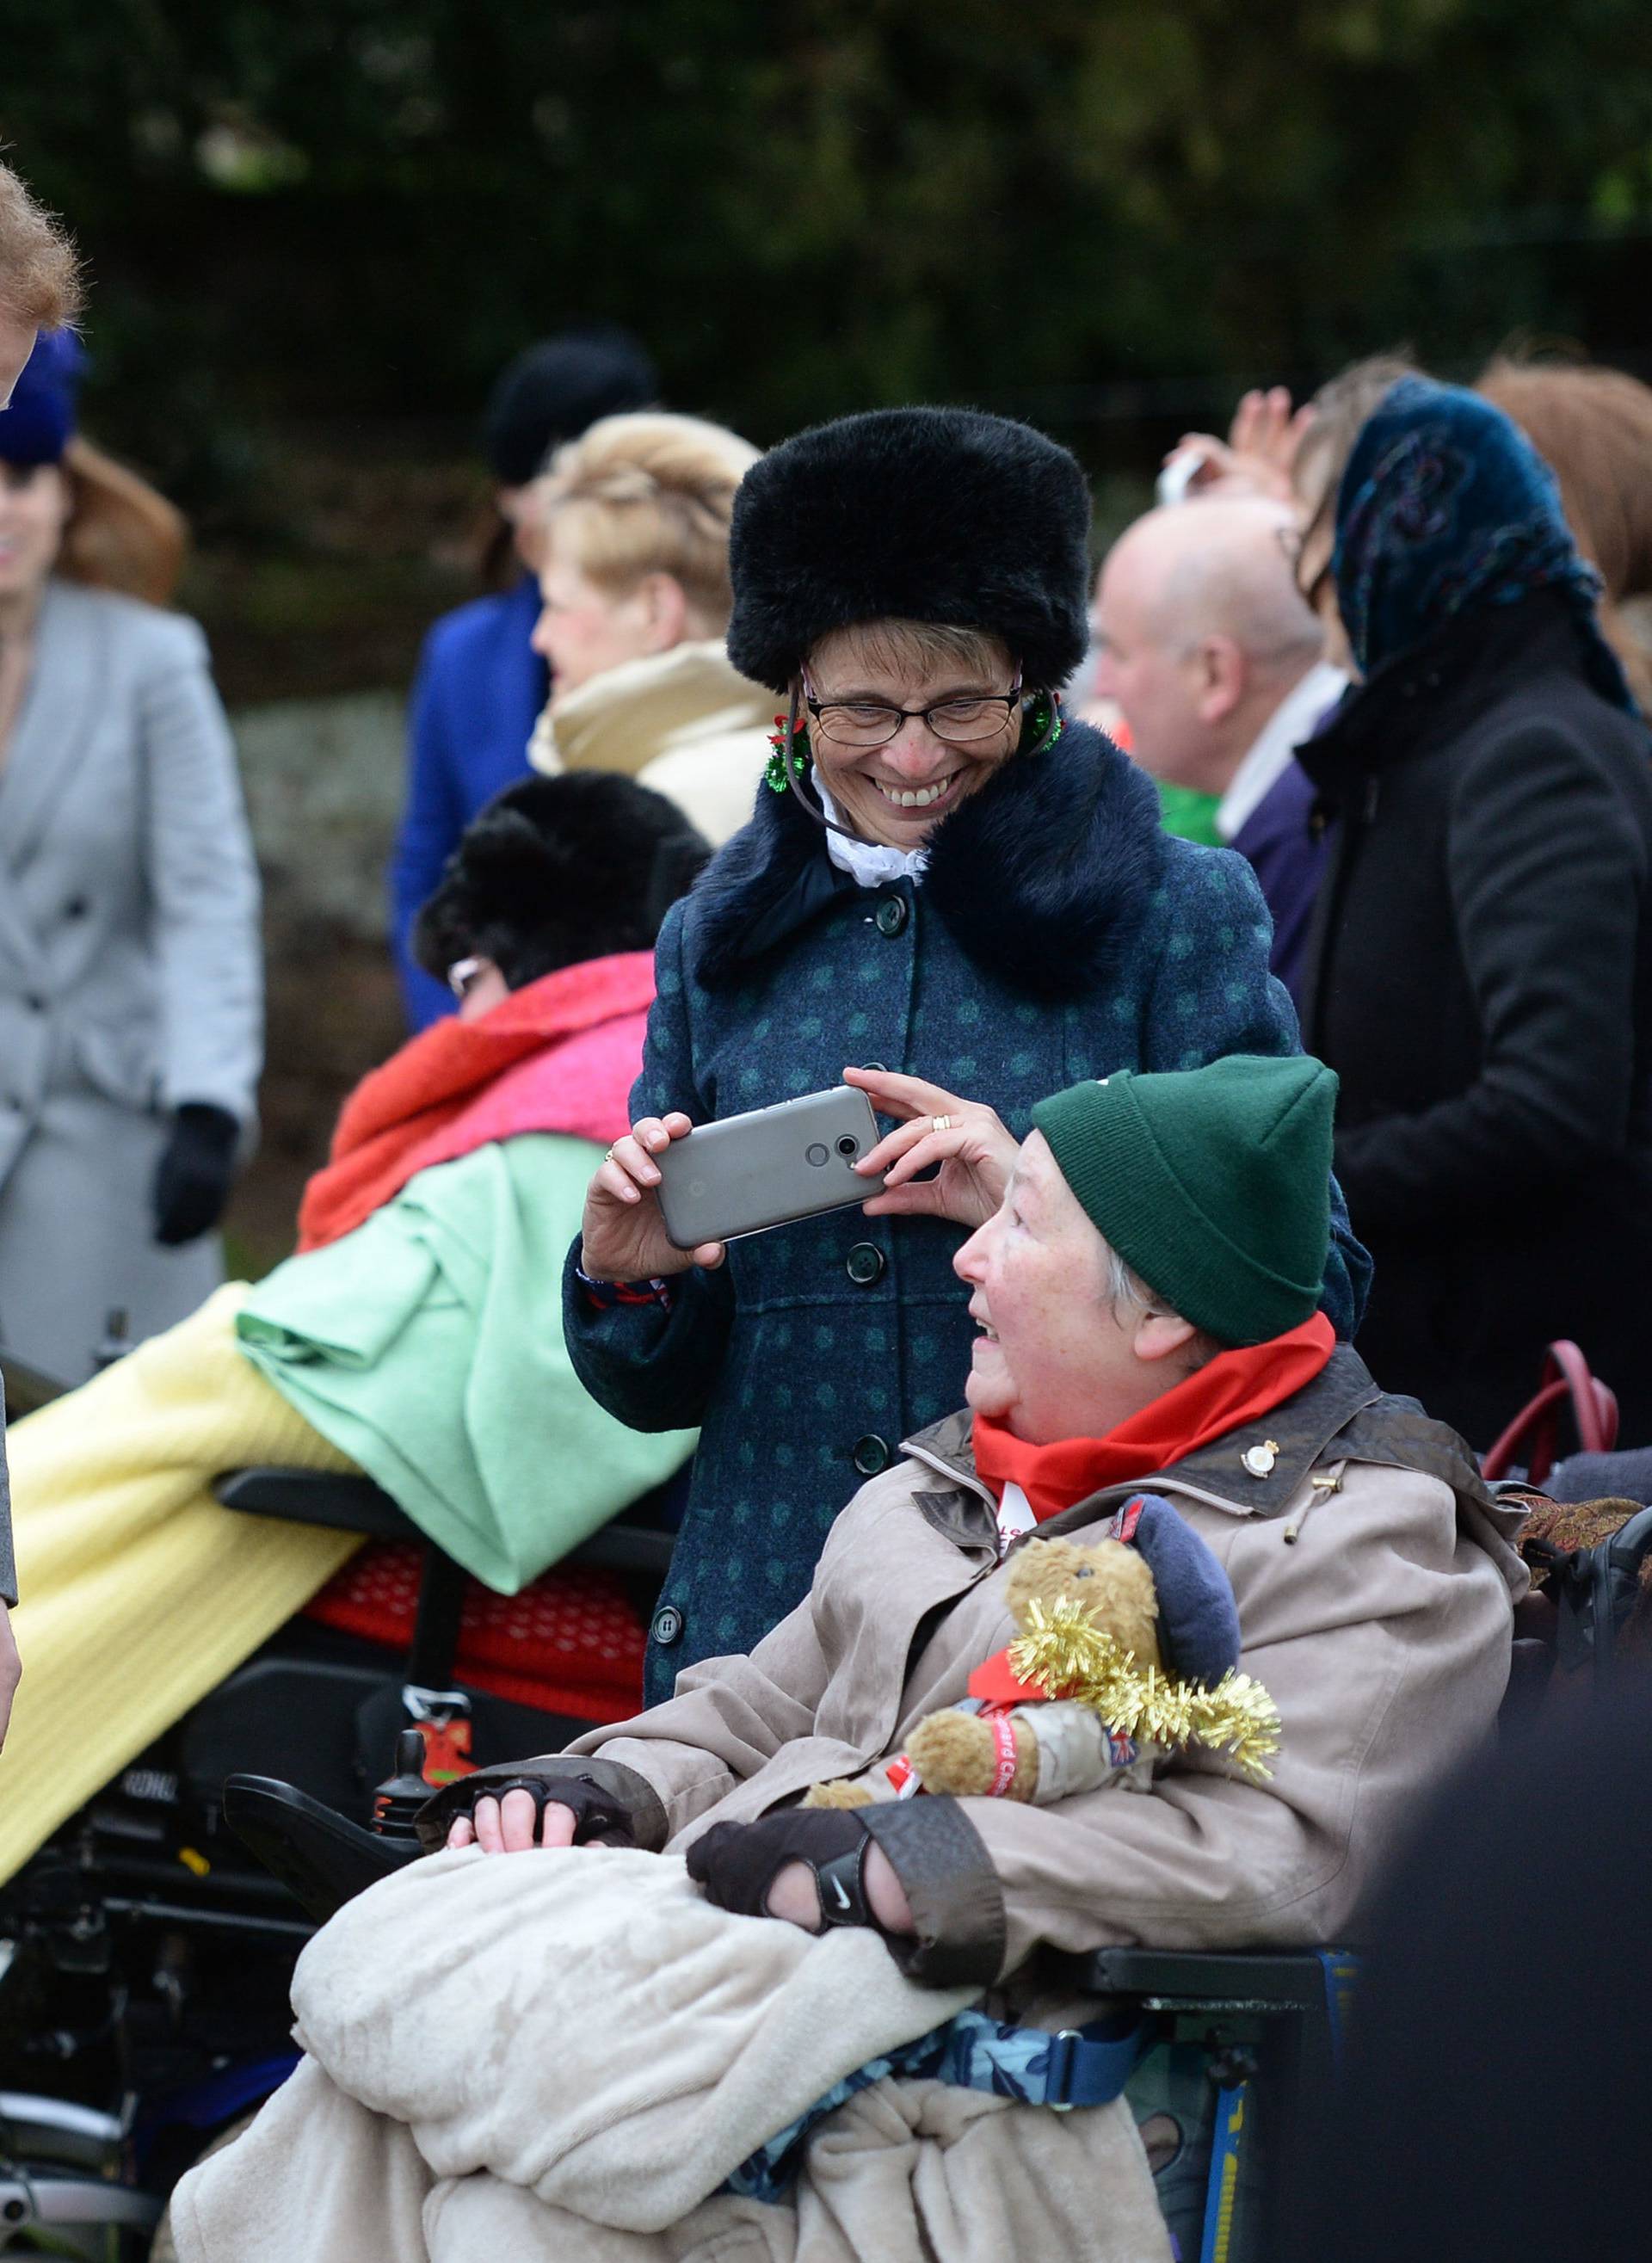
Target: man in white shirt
x=1216 y=663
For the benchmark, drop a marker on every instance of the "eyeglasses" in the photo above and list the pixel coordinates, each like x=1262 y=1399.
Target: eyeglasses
x=958 y=722
x=463 y=976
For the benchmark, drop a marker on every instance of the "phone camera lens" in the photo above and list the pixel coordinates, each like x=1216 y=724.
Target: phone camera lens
x=848 y=1146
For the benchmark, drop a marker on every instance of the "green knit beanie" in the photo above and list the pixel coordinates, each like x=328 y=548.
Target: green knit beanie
x=1213 y=1184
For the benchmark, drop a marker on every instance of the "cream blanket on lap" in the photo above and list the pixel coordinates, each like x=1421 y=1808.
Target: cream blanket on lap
x=560 y=2058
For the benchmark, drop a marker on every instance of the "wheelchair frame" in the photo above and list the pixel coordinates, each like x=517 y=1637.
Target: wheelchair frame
x=1268 y=2022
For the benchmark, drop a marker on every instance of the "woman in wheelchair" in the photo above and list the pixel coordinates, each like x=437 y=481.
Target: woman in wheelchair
x=416 y=1337
x=1148 y=1351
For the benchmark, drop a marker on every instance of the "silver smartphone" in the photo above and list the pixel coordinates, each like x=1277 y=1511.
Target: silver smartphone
x=747 y=1173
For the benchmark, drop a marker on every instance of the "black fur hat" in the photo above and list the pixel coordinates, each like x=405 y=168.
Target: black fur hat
x=911 y=514
x=557 y=869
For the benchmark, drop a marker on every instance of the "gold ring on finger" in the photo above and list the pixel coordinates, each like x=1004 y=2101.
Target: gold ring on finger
x=941 y=1122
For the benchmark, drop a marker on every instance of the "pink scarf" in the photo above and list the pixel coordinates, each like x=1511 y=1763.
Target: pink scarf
x=559 y=1055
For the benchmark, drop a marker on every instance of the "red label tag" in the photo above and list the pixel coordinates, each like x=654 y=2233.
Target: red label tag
x=1129 y=1517
x=1004 y=1742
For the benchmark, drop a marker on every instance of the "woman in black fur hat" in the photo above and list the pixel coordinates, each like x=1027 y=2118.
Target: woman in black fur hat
x=948 y=885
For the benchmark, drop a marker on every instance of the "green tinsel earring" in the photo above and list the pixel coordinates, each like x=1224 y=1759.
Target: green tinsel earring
x=777 y=770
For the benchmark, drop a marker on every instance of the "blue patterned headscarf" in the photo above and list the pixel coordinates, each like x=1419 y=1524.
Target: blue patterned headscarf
x=1445 y=506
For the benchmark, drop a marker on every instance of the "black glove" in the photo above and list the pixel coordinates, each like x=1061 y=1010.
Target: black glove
x=196 y=1172
x=597 y=1815
x=737 y=1863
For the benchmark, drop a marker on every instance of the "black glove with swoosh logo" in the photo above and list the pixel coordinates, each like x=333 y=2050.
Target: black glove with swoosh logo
x=737 y=1863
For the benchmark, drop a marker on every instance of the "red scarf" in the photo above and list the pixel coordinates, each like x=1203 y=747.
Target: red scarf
x=1233 y=1387
x=560 y=1054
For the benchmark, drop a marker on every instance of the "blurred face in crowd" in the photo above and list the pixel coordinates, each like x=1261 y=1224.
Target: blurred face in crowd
x=514 y=506
x=896 y=789
x=34 y=512
x=584 y=629
x=1055 y=1358
x=1146 y=675
x=17 y=343
x=1200 y=633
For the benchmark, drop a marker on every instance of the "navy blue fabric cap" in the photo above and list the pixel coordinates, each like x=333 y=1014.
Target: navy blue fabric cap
x=40 y=421
x=1198 y=1623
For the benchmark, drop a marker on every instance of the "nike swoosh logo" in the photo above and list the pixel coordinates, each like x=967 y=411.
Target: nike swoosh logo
x=837 y=1888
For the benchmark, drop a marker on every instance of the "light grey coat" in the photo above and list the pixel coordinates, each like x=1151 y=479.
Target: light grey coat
x=131 y=977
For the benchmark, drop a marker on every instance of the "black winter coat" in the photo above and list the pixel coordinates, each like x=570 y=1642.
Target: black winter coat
x=1480 y=977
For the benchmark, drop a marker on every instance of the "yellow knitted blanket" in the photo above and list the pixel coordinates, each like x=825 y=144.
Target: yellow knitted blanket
x=139 y=1591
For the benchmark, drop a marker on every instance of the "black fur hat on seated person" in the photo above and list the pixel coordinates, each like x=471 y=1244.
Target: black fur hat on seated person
x=557 y=869
x=911 y=514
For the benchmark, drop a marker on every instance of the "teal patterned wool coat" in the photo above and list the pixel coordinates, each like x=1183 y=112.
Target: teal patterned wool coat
x=1057 y=934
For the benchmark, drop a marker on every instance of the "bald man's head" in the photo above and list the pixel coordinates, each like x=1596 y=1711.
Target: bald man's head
x=1203 y=632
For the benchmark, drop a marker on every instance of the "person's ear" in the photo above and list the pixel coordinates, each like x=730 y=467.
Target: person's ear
x=1220 y=678
x=665 y=611
x=1160 y=1335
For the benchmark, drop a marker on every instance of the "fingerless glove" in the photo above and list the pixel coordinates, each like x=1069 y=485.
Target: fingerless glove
x=737 y=1863
x=597 y=1815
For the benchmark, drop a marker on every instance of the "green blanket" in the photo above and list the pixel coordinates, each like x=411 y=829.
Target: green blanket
x=428 y=1346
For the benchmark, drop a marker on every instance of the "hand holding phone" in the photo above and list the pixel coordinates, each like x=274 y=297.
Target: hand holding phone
x=769 y=1167
x=623 y=1236
x=963 y=1142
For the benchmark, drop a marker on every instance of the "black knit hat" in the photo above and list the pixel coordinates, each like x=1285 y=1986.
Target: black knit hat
x=557 y=869
x=555 y=390
x=911 y=514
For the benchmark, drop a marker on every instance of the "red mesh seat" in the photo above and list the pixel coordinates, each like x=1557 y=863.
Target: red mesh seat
x=571 y=1643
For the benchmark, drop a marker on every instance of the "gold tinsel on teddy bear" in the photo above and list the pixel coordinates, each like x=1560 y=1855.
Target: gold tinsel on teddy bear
x=1072 y=1657
x=1087 y=1617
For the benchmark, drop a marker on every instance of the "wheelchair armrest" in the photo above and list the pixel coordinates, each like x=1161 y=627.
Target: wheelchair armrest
x=1178 y=1979
x=344 y=1504
x=355 y=1504
x=621 y=1547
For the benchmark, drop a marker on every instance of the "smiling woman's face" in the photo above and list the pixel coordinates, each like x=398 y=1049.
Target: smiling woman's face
x=34 y=512
x=898 y=793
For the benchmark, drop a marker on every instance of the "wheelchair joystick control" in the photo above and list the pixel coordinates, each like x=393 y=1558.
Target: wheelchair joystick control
x=400 y=1796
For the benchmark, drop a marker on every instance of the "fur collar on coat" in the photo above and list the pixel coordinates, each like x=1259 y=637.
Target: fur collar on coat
x=1041 y=878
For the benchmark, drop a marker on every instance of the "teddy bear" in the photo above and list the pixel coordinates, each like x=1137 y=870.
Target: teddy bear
x=1128 y=1647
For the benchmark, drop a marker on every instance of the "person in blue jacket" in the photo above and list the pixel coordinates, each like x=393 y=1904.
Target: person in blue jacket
x=480 y=684
x=950 y=892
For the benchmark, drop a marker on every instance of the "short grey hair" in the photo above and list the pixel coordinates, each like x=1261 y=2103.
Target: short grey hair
x=1126 y=1292
x=1125 y=1287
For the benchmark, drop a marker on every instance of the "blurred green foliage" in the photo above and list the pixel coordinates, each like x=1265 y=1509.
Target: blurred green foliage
x=1094 y=211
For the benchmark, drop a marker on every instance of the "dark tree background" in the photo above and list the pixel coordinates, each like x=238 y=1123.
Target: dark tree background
x=317 y=227
x=354 y=209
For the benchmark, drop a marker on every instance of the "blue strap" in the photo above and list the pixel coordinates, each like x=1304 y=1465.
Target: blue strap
x=1080 y=2066
x=1088 y=2068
